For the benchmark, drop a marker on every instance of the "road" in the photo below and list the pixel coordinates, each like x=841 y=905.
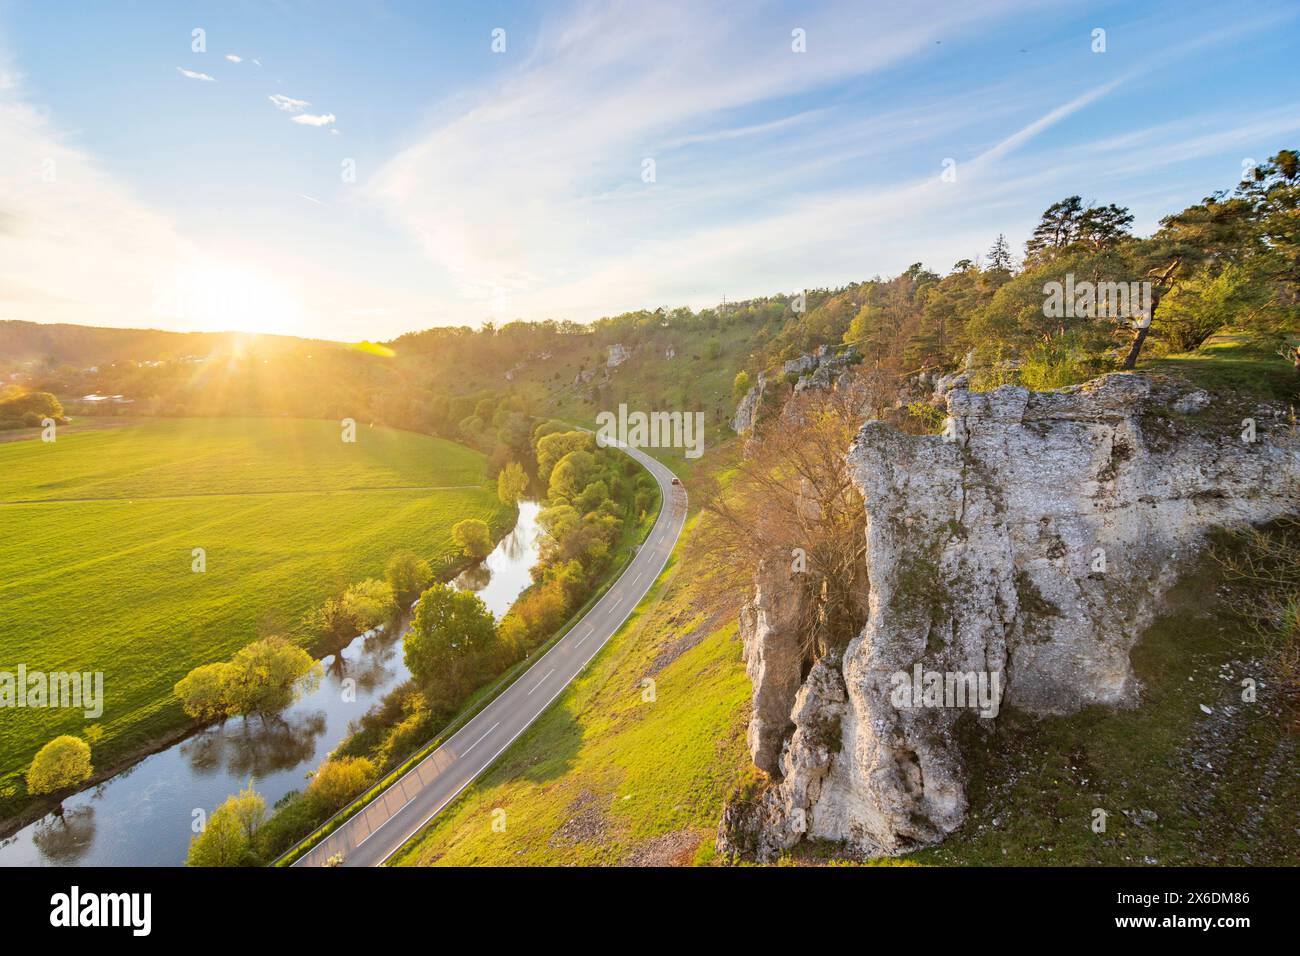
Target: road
x=379 y=831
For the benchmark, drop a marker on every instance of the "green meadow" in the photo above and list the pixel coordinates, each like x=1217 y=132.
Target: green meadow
x=98 y=531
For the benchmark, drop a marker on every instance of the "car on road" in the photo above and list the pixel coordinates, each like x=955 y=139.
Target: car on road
x=677 y=481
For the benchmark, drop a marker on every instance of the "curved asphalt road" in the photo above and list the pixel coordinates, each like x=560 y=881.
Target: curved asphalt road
x=376 y=833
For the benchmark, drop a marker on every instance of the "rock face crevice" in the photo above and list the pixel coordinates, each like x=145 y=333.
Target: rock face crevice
x=1030 y=544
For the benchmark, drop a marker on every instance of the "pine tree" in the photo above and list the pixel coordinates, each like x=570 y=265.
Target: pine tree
x=1000 y=254
x=1057 y=229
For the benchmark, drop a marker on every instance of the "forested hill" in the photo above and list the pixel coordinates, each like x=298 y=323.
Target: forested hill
x=1230 y=260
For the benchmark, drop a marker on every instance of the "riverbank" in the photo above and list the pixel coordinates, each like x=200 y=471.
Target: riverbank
x=633 y=536
x=195 y=767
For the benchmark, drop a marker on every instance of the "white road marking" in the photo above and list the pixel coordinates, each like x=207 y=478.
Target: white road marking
x=540 y=682
x=398 y=811
x=480 y=740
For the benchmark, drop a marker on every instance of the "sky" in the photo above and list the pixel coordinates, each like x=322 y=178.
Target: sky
x=356 y=171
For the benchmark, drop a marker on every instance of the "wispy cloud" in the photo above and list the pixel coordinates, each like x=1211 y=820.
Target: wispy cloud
x=194 y=75
x=287 y=103
x=234 y=58
x=77 y=245
x=526 y=191
x=308 y=119
x=626 y=162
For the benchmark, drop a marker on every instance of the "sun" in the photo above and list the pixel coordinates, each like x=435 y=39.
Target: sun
x=216 y=296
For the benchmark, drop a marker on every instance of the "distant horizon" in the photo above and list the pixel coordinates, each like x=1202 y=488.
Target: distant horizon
x=351 y=175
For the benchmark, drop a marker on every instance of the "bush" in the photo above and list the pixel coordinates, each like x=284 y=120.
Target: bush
x=39 y=405
x=203 y=691
x=370 y=603
x=473 y=537
x=512 y=482
x=408 y=575
x=338 y=780
x=228 y=837
x=61 y=764
x=263 y=678
x=334 y=625
x=929 y=418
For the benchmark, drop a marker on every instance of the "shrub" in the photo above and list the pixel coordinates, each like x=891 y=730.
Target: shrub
x=263 y=678
x=473 y=537
x=36 y=404
x=338 y=780
x=203 y=691
x=511 y=483
x=227 y=837
x=370 y=603
x=62 y=763
x=407 y=574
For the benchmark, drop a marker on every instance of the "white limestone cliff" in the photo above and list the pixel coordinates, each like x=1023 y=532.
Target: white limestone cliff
x=1034 y=541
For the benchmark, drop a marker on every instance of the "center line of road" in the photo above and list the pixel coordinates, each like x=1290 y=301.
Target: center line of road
x=537 y=685
x=480 y=740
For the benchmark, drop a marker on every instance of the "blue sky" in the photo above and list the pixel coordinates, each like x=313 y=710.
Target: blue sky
x=143 y=183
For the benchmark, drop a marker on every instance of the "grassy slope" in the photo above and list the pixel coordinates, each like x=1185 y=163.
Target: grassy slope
x=605 y=777
x=650 y=381
x=1233 y=362
x=107 y=584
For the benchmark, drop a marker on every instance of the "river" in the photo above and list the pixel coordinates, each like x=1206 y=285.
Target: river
x=143 y=816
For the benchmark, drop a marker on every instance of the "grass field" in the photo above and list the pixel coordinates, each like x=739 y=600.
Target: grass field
x=96 y=538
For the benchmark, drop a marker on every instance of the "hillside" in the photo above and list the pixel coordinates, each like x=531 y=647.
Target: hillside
x=609 y=777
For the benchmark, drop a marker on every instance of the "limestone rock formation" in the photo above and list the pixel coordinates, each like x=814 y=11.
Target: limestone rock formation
x=618 y=354
x=746 y=416
x=819 y=369
x=1028 y=547
x=769 y=628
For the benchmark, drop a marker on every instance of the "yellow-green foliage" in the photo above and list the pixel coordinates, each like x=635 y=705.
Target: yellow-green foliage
x=227 y=836
x=63 y=762
x=96 y=568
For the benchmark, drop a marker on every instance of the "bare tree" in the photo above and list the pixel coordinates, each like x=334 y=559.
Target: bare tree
x=792 y=499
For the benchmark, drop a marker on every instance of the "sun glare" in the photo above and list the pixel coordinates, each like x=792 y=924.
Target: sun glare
x=219 y=297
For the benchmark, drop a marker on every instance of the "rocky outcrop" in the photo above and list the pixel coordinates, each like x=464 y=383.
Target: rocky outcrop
x=770 y=630
x=819 y=369
x=1026 y=548
x=618 y=354
x=746 y=416
x=826 y=370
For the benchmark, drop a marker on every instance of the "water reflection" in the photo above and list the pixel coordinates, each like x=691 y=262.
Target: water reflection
x=142 y=816
x=509 y=566
x=257 y=749
x=64 y=838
